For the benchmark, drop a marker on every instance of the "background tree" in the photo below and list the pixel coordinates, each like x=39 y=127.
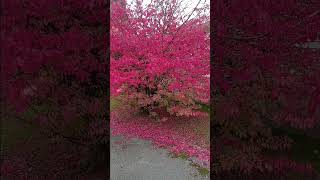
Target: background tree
x=264 y=81
x=53 y=75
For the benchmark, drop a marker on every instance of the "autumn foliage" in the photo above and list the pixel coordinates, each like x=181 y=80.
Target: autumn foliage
x=53 y=73
x=159 y=61
x=53 y=56
x=265 y=76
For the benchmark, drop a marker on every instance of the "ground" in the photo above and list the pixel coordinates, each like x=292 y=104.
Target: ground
x=148 y=149
x=138 y=160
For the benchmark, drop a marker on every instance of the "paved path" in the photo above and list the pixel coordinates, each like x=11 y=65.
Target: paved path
x=138 y=160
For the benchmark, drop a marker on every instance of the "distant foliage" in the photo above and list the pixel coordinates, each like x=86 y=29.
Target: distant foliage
x=158 y=61
x=263 y=76
x=53 y=67
x=53 y=59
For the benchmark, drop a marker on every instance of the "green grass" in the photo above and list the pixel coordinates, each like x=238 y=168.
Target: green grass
x=204 y=107
x=183 y=156
x=114 y=103
x=202 y=171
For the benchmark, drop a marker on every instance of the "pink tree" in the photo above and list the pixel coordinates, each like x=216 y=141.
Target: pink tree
x=160 y=58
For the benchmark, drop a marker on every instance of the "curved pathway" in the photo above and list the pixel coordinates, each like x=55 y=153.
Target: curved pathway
x=137 y=159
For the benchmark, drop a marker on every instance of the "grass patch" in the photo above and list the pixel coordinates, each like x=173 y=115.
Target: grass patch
x=202 y=171
x=204 y=107
x=183 y=156
x=114 y=103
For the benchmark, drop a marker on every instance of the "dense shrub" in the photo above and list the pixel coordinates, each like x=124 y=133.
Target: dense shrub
x=265 y=77
x=158 y=61
x=53 y=67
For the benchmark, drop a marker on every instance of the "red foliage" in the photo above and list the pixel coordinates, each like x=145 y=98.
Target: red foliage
x=53 y=67
x=166 y=134
x=51 y=48
x=157 y=60
x=260 y=53
x=264 y=74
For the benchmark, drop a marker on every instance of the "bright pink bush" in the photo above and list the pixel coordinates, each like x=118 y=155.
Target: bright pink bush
x=158 y=62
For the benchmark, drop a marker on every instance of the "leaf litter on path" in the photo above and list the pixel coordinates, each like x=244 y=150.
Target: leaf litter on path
x=189 y=135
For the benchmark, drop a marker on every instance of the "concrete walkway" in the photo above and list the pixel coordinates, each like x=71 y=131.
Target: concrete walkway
x=139 y=160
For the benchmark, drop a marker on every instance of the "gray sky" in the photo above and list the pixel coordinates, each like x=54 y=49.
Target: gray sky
x=190 y=4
